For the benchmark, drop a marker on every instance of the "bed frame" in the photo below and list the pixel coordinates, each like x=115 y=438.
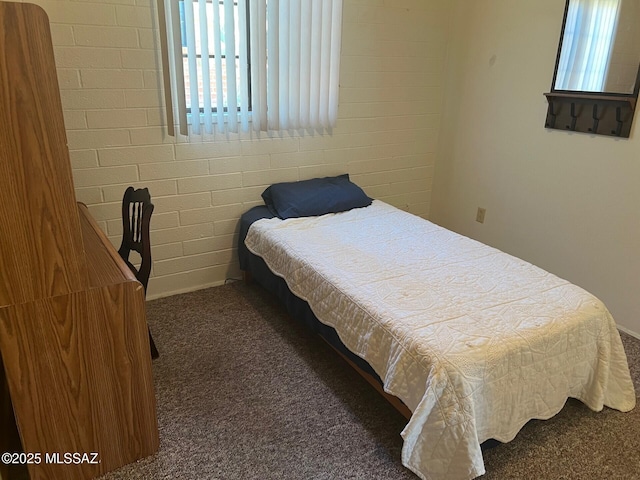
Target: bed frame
x=367 y=373
x=347 y=356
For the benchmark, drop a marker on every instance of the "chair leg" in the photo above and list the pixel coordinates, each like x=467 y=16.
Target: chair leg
x=154 y=351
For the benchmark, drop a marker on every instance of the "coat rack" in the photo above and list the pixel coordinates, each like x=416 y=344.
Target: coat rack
x=603 y=114
x=608 y=110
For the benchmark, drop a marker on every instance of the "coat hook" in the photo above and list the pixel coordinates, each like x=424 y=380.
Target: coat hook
x=596 y=119
x=574 y=118
x=618 y=129
x=552 y=113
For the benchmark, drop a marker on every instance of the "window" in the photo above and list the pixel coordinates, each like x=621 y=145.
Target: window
x=216 y=55
x=588 y=38
x=260 y=64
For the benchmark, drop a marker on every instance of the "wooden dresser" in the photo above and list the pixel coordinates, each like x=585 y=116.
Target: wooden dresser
x=76 y=368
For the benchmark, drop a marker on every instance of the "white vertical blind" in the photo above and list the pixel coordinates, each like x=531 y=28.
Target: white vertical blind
x=324 y=64
x=175 y=67
x=243 y=65
x=305 y=62
x=589 y=33
x=261 y=64
x=334 y=64
x=217 y=45
x=294 y=62
x=206 y=77
x=314 y=80
x=230 y=55
x=258 y=15
x=273 y=70
x=191 y=59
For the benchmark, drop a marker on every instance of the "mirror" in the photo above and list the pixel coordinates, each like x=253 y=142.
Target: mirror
x=599 y=49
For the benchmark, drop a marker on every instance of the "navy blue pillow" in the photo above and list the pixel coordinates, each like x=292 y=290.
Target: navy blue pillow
x=317 y=196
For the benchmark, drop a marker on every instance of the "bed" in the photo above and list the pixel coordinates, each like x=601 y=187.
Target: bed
x=473 y=341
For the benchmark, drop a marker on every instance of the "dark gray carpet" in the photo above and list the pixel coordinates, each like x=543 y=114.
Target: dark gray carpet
x=244 y=393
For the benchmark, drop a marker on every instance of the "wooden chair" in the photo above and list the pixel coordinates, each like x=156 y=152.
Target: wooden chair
x=136 y=217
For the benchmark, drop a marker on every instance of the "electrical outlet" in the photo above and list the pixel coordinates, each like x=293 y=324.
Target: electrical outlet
x=480 y=215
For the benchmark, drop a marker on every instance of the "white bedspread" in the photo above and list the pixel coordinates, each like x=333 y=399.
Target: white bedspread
x=474 y=341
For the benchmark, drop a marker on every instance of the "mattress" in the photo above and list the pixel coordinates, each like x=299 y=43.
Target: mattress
x=474 y=341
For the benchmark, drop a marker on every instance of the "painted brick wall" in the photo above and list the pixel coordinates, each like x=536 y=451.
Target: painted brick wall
x=107 y=56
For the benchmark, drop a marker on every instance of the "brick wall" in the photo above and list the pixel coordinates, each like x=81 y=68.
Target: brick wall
x=107 y=56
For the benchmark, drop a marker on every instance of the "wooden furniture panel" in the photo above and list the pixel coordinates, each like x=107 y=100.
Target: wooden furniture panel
x=38 y=257
x=105 y=266
x=75 y=359
x=85 y=390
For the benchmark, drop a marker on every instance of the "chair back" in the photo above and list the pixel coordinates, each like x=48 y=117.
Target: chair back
x=136 y=217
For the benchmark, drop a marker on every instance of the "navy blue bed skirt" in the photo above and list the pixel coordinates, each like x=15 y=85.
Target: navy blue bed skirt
x=296 y=307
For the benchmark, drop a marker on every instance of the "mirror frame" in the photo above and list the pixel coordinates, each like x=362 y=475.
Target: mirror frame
x=600 y=113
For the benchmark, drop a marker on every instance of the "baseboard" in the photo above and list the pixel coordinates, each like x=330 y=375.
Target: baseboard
x=184 y=290
x=629 y=332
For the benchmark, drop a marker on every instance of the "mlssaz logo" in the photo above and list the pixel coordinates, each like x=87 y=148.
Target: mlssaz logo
x=72 y=458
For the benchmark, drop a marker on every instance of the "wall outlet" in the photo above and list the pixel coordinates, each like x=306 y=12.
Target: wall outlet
x=480 y=215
